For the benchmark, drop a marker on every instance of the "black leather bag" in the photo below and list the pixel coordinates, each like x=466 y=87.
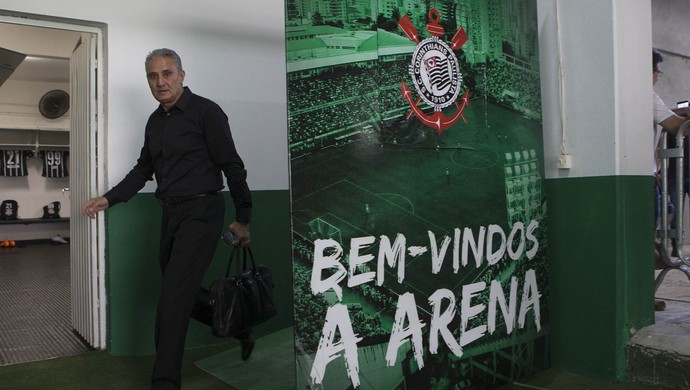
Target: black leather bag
x=237 y=302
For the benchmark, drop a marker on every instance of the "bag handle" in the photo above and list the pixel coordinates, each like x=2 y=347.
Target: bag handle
x=251 y=257
x=235 y=252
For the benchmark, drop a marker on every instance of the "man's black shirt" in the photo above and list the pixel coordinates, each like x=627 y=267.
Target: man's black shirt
x=186 y=148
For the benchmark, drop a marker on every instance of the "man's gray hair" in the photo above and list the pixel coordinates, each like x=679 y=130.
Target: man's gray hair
x=169 y=53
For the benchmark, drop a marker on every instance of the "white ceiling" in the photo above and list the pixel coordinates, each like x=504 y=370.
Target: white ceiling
x=47 y=50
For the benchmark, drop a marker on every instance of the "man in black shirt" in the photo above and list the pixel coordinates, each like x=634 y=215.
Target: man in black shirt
x=187 y=144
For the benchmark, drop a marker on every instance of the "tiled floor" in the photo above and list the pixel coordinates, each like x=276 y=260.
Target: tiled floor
x=660 y=353
x=35 y=316
x=674 y=322
x=671 y=330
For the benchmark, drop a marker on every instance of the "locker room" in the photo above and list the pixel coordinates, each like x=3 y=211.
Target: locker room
x=34 y=178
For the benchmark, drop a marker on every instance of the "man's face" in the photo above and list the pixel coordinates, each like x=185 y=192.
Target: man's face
x=165 y=80
x=656 y=75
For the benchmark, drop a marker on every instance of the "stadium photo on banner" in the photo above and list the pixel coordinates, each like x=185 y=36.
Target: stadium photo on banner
x=419 y=226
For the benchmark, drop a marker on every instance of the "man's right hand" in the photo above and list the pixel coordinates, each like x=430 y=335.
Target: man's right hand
x=94 y=205
x=242 y=232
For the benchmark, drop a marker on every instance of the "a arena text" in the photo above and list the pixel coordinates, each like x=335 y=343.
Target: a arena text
x=490 y=244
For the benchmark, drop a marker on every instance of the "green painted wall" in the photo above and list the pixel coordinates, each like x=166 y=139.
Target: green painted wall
x=602 y=279
x=133 y=274
x=601 y=270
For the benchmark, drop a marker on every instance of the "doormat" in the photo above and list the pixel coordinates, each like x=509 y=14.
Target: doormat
x=271 y=365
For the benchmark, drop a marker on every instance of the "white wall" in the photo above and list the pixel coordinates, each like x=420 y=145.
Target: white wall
x=19 y=106
x=607 y=107
x=232 y=52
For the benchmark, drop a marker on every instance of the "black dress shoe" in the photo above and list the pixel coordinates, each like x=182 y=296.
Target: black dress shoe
x=247 y=347
x=658 y=306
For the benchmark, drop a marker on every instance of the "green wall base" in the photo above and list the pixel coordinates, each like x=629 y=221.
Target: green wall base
x=133 y=274
x=601 y=270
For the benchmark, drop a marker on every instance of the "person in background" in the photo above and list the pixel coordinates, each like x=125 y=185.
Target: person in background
x=187 y=147
x=671 y=122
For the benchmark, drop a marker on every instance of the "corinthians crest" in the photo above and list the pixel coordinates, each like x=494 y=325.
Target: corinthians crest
x=435 y=73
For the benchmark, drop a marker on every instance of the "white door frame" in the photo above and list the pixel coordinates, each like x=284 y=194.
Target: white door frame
x=97 y=176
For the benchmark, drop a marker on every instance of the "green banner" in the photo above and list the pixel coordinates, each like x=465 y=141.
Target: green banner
x=418 y=217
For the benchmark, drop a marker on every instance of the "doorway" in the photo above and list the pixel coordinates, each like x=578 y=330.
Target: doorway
x=62 y=56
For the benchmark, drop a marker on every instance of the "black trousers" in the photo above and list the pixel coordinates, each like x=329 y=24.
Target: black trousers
x=190 y=232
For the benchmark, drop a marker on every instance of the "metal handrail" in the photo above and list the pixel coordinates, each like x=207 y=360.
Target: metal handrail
x=682 y=262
